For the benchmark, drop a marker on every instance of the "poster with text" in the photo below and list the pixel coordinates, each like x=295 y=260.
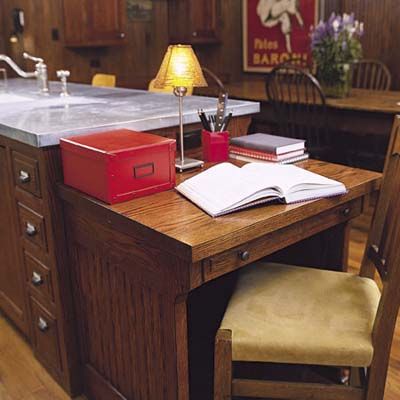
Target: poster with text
x=275 y=31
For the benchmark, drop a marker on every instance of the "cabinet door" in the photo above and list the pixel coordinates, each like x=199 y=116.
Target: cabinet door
x=94 y=23
x=204 y=17
x=12 y=293
x=106 y=21
x=201 y=25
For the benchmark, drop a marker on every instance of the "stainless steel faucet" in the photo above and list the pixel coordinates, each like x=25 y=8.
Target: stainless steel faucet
x=40 y=72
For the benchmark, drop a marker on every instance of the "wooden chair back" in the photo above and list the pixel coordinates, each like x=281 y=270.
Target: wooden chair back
x=382 y=254
x=371 y=74
x=291 y=90
x=104 y=80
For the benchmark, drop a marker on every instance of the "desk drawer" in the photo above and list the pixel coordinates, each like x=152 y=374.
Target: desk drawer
x=26 y=173
x=235 y=258
x=45 y=335
x=32 y=226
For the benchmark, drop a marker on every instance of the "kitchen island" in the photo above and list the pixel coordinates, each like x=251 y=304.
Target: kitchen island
x=35 y=289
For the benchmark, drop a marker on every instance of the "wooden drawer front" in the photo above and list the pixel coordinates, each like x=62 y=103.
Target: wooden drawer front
x=45 y=335
x=238 y=257
x=26 y=173
x=32 y=226
x=38 y=277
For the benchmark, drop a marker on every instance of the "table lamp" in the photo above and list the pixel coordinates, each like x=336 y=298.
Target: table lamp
x=181 y=69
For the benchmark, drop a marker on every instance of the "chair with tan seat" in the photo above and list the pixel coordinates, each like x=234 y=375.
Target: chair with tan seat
x=372 y=75
x=284 y=314
x=104 y=80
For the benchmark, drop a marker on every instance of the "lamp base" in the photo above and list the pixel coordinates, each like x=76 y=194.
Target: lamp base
x=187 y=163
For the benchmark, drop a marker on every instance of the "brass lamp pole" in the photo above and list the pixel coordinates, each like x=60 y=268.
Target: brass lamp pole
x=181 y=70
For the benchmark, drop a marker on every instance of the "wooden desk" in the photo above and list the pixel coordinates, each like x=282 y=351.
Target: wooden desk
x=150 y=274
x=361 y=121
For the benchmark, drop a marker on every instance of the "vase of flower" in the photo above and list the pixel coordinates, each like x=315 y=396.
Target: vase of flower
x=335 y=46
x=337 y=82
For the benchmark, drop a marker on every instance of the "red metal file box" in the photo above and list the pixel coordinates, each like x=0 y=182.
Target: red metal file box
x=119 y=165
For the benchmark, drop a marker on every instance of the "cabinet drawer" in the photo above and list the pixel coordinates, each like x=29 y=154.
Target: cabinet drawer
x=32 y=226
x=235 y=258
x=26 y=173
x=38 y=277
x=45 y=335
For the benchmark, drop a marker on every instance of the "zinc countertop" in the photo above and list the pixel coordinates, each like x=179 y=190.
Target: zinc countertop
x=40 y=121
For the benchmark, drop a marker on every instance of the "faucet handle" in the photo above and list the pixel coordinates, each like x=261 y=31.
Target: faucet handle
x=34 y=59
x=63 y=75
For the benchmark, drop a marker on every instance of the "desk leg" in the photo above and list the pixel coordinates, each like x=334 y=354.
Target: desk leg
x=327 y=249
x=182 y=353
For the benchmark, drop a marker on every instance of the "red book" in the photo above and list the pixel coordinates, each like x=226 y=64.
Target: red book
x=262 y=155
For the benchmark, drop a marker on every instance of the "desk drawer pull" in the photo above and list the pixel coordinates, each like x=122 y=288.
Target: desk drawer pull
x=24 y=176
x=43 y=325
x=30 y=229
x=36 y=279
x=346 y=211
x=244 y=255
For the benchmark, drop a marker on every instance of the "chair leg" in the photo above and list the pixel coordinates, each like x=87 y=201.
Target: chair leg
x=223 y=365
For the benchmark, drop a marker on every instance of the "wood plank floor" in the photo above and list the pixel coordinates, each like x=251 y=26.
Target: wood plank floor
x=23 y=378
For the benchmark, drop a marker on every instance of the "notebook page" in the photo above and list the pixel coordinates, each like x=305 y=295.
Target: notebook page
x=219 y=188
x=288 y=178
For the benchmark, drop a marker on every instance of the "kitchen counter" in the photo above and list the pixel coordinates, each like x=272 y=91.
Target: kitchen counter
x=40 y=121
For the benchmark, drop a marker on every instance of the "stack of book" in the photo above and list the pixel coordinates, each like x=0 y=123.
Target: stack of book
x=262 y=147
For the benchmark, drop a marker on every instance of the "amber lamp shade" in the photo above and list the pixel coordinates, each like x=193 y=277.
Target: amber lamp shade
x=181 y=70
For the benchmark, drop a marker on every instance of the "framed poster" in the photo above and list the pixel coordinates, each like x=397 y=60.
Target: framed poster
x=275 y=31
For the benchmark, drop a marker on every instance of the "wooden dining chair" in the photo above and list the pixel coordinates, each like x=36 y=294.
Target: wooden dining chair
x=291 y=90
x=372 y=75
x=104 y=80
x=293 y=315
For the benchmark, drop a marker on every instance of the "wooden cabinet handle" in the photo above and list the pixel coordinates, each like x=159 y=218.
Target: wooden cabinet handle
x=346 y=211
x=24 y=176
x=42 y=325
x=244 y=255
x=30 y=229
x=36 y=279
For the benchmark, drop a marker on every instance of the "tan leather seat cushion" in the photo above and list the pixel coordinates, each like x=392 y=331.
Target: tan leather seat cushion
x=287 y=314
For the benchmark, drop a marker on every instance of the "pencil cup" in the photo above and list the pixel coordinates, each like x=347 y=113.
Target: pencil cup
x=215 y=146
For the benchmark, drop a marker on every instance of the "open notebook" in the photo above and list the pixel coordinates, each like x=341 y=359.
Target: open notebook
x=225 y=187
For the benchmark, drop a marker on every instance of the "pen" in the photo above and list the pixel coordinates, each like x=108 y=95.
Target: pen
x=203 y=120
x=226 y=122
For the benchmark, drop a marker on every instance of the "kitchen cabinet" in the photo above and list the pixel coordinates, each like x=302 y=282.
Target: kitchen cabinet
x=12 y=293
x=89 y=23
x=194 y=21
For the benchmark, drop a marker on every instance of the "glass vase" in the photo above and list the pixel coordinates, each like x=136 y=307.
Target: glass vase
x=340 y=85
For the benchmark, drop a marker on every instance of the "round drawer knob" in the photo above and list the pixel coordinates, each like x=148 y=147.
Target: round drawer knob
x=42 y=325
x=121 y=35
x=30 y=229
x=194 y=34
x=24 y=177
x=244 y=255
x=36 y=279
x=346 y=212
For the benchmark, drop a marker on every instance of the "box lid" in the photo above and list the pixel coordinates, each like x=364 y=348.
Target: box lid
x=116 y=142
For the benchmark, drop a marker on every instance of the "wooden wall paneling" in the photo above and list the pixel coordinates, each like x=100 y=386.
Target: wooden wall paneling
x=2 y=31
x=146 y=41
x=381 y=30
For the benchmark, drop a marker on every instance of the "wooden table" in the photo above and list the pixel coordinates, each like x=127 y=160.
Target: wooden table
x=363 y=120
x=151 y=277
